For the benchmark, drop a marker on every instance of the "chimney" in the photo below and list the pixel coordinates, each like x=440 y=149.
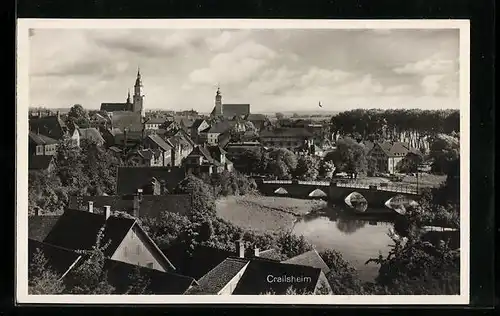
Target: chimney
x=91 y=206
x=107 y=211
x=240 y=248
x=256 y=252
x=137 y=202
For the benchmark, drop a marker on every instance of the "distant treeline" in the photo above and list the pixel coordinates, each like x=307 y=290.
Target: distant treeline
x=403 y=125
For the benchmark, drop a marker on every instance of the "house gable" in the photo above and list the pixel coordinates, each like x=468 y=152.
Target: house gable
x=136 y=248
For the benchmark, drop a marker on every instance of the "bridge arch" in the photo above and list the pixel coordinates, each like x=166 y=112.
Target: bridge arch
x=356 y=201
x=281 y=191
x=317 y=193
x=400 y=203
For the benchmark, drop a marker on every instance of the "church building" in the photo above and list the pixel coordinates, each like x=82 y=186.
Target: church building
x=229 y=110
x=136 y=105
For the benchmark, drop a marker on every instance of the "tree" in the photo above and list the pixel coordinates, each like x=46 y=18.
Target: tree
x=349 y=156
x=291 y=245
x=443 y=150
x=409 y=164
x=327 y=168
x=279 y=115
x=343 y=278
x=79 y=116
x=307 y=168
x=90 y=277
x=138 y=283
x=46 y=193
x=69 y=166
x=282 y=163
x=41 y=278
x=100 y=167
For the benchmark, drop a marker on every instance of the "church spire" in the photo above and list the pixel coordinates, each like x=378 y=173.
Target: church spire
x=138 y=81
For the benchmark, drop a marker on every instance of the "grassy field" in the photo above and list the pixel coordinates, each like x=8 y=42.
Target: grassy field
x=264 y=213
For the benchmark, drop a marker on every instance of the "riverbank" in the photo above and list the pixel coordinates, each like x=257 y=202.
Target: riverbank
x=265 y=213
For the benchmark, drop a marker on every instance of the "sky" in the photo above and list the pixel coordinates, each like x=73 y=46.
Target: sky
x=274 y=70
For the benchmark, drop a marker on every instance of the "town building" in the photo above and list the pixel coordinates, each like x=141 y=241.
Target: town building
x=207 y=160
x=136 y=105
x=289 y=138
x=129 y=179
x=389 y=154
x=41 y=145
x=230 y=111
x=127 y=241
x=154 y=123
x=198 y=126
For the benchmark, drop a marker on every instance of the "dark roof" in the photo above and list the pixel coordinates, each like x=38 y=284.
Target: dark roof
x=255 y=279
x=59 y=260
x=40 y=139
x=40 y=226
x=51 y=126
x=91 y=134
x=156 y=120
x=199 y=262
x=150 y=205
x=160 y=142
x=197 y=123
x=129 y=179
x=112 y=107
x=256 y=117
x=39 y=162
x=202 y=150
x=286 y=132
x=160 y=283
x=126 y=120
x=217 y=278
x=232 y=110
x=220 y=127
x=392 y=149
x=270 y=254
x=216 y=151
x=77 y=230
x=179 y=140
x=310 y=258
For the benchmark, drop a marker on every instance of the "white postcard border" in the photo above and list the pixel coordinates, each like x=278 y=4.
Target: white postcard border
x=22 y=104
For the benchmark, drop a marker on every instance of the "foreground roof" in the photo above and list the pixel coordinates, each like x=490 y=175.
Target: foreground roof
x=310 y=258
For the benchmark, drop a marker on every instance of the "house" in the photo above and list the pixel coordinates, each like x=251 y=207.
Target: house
x=229 y=110
x=253 y=275
x=154 y=123
x=211 y=135
x=145 y=157
x=188 y=260
x=289 y=138
x=91 y=134
x=198 y=126
x=309 y=258
x=41 y=145
x=388 y=154
x=139 y=205
x=127 y=241
x=51 y=126
x=260 y=121
x=181 y=147
x=41 y=163
x=129 y=179
x=156 y=143
x=62 y=261
x=207 y=160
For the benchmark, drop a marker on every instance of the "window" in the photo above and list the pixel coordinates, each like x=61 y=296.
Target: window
x=39 y=150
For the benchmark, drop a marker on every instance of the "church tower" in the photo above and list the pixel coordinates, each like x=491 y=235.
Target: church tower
x=218 y=110
x=138 y=105
x=129 y=102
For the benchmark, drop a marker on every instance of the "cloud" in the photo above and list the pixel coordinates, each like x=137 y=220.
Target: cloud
x=432 y=83
x=241 y=64
x=427 y=67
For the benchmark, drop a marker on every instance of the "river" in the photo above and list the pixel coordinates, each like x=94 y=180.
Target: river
x=357 y=237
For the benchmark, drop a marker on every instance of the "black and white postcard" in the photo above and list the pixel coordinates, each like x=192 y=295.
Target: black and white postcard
x=242 y=161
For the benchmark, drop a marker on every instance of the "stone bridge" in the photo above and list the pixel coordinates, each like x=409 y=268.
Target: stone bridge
x=336 y=192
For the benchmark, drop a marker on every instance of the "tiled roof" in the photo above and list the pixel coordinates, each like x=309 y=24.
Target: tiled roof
x=127 y=120
x=156 y=120
x=232 y=110
x=217 y=278
x=91 y=134
x=40 y=139
x=197 y=123
x=255 y=280
x=270 y=254
x=286 y=132
x=40 y=226
x=201 y=261
x=310 y=258
x=394 y=149
x=220 y=127
x=59 y=260
x=160 y=283
x=129 y=179
x=160 y=142
x=112 y=107
x=39 y=162
x=202 y=150
x=51 y=126
x=150 y=205
x=77 y=230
